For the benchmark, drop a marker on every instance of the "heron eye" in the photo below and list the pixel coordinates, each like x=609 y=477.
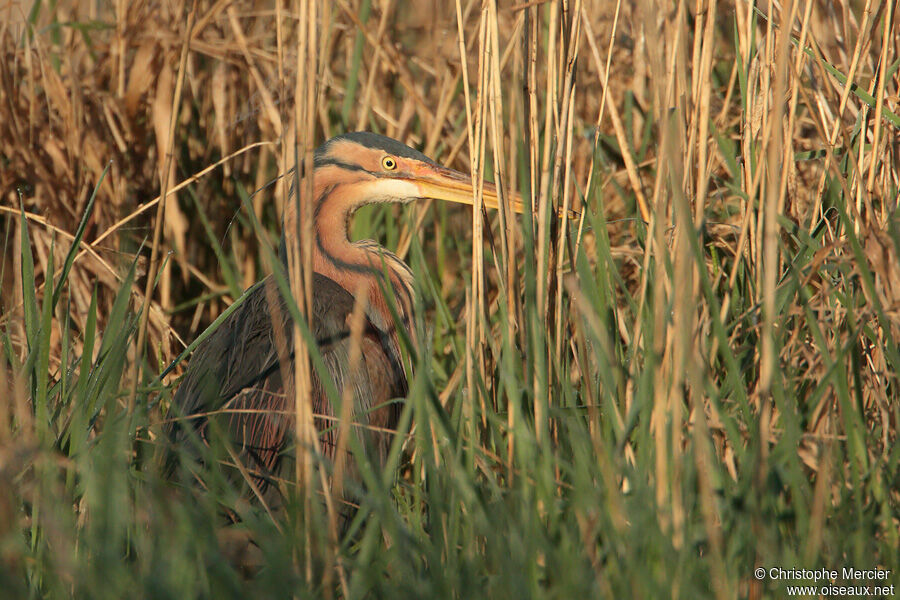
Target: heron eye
x=388 y=163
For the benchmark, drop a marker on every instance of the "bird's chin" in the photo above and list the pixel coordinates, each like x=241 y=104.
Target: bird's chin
x=391 y=190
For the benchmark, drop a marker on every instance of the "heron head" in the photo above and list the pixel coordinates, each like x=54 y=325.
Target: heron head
x=366 y=168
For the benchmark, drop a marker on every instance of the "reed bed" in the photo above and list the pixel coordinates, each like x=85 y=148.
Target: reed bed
x=694 y=379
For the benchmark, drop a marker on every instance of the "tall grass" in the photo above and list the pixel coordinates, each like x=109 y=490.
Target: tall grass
x=694 y=379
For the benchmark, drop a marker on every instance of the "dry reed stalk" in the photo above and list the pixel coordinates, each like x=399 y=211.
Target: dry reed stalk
x=879 y=95
x=508 y=276
x=475 y=337
x=862 y=37
x=774 y=199
x=702 y=121
x=682 y=326
x=300 y=154
x=374 y=67
x=563 y=174
x=541 y=201
x=165 y=178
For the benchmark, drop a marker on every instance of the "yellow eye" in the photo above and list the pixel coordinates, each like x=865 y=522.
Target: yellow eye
x=389 y=163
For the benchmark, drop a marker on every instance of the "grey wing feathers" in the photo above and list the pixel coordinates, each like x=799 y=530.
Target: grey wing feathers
x=243 y=373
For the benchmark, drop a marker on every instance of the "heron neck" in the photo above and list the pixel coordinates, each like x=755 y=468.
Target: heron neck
x=359 y=267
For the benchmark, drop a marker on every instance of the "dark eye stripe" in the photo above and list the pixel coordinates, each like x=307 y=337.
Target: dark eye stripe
x=326 y=161
x=321 y=162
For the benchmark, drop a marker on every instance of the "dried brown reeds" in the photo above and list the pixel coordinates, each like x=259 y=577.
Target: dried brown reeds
x=98 y=89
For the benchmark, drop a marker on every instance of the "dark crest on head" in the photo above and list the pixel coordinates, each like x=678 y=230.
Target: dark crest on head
x=375 y=141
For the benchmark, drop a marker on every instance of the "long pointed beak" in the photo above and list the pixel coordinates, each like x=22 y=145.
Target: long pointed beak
x=441 y=183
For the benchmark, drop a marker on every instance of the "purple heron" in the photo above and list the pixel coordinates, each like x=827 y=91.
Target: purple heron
x=244 y=371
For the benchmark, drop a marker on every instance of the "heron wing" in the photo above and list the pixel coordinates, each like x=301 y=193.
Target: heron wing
x=242 y=378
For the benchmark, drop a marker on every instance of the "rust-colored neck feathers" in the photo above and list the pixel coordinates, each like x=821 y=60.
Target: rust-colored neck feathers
x=358 y=267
